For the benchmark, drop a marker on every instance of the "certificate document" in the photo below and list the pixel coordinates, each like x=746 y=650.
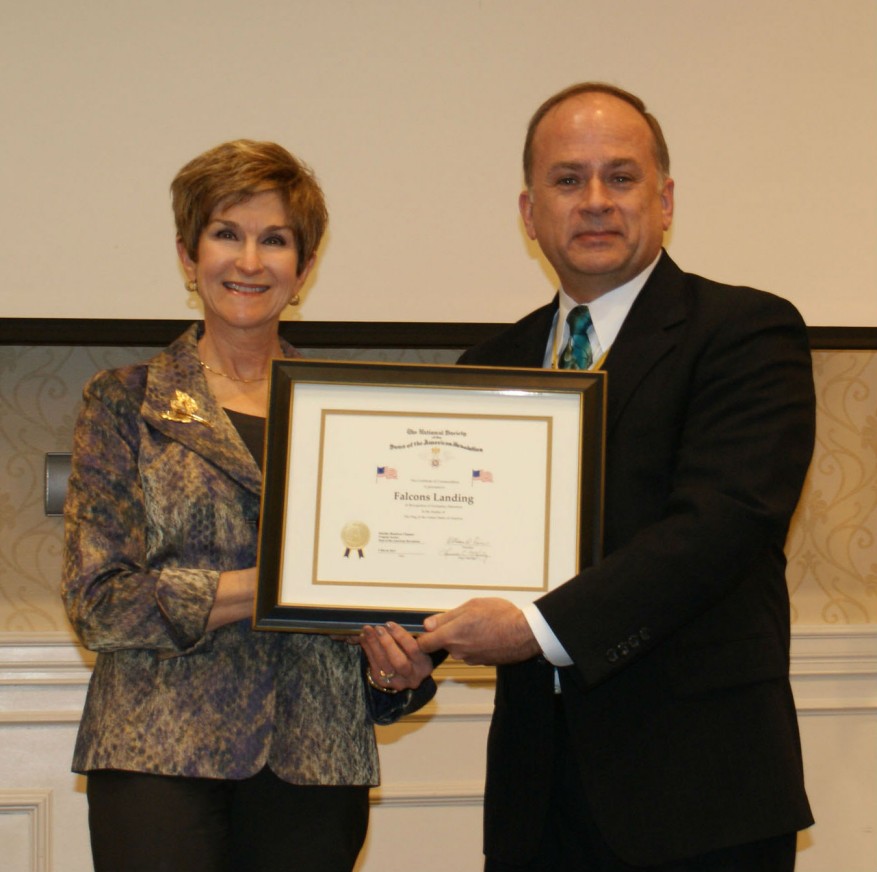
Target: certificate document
x=408 y=498
x=433 y=500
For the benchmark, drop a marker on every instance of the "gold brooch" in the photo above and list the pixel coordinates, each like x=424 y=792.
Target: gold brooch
x=182 y=410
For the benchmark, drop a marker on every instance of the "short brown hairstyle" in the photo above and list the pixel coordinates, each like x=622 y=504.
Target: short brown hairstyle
x=662 y=153
x=231 y=173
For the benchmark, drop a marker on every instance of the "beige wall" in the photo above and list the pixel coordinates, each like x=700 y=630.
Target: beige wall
x=413 y=114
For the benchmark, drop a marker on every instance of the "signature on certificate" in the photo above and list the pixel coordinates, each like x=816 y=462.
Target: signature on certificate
x=466 y=549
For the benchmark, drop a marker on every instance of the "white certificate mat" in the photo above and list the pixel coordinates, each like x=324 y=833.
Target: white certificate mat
x=433 y=500
x=412 y=498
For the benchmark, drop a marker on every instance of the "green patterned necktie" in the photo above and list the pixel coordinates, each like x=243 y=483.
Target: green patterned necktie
x=578 y=353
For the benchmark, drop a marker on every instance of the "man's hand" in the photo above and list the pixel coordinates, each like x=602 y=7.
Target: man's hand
x=484 y=631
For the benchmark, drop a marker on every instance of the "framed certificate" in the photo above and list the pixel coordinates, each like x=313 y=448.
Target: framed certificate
x=394 y=491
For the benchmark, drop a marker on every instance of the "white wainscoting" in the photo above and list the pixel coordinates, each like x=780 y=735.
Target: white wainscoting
x=427 y=813
x=25 y=830
x=834 y=677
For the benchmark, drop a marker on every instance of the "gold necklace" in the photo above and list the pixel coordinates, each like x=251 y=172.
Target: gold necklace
x=233 y=378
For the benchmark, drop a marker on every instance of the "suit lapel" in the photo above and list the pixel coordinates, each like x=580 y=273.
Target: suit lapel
x=649 y=332
x=525 y=346
x=178 y=404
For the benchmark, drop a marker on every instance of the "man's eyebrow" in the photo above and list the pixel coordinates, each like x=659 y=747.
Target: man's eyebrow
x=615 y=163
x=567 y=165
x=624 y=162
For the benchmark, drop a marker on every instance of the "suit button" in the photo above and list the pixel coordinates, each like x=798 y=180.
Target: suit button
x=633 y=641
x=612 y=655
x=645 y=634
x=623 y=650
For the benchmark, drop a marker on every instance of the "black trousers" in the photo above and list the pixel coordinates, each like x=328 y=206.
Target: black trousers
x=571 y=841
x=157 y=823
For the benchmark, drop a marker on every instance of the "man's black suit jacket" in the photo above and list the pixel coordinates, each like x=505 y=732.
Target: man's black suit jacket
x=678 y=701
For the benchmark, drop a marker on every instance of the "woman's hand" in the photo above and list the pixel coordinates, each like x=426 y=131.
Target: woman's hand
x=395 y=661
x=234 y=597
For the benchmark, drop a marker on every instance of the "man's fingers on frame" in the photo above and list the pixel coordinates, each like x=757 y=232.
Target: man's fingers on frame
x=430 y=642
x=433 y=622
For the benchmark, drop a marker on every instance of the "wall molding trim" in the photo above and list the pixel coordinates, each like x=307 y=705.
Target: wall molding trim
x=428 y=793
x=833 y=671
x=35 y=806
x=821 y=649
x=33 y=659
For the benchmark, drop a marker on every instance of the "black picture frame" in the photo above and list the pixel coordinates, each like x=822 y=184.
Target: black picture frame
x=271 y=611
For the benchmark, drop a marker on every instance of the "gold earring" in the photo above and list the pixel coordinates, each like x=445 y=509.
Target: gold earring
x=192 y=286
x=294 y=300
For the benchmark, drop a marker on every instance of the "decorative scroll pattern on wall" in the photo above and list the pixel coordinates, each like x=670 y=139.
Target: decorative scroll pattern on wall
x=40 y=388
x=832 y=547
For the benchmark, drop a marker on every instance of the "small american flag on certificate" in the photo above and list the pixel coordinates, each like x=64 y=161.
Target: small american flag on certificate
x=482 y=475
x=386 y=472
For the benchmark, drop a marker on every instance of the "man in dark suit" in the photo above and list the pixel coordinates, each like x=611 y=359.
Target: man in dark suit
x=644 y=717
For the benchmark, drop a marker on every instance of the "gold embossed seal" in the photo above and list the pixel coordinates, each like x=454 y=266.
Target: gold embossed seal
x=355 y=536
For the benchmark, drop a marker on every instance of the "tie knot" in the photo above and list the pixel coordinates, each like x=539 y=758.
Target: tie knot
x=578 y=353
x=579 y=319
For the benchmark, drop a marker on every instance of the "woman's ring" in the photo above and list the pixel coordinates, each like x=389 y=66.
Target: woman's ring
x=387 y=677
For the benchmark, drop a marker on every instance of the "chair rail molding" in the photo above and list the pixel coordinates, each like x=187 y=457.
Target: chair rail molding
x=833 y=670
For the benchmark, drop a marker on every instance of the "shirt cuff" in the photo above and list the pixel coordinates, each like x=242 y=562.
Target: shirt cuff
x=552 y=650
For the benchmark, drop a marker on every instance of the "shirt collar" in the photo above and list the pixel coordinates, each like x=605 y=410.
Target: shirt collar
x=609 y=310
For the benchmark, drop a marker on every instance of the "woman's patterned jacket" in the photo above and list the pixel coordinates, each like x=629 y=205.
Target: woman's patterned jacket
x=156 y=509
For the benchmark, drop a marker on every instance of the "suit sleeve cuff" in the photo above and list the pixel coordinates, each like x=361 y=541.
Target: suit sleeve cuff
x=552 y=650
x=185 y=598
